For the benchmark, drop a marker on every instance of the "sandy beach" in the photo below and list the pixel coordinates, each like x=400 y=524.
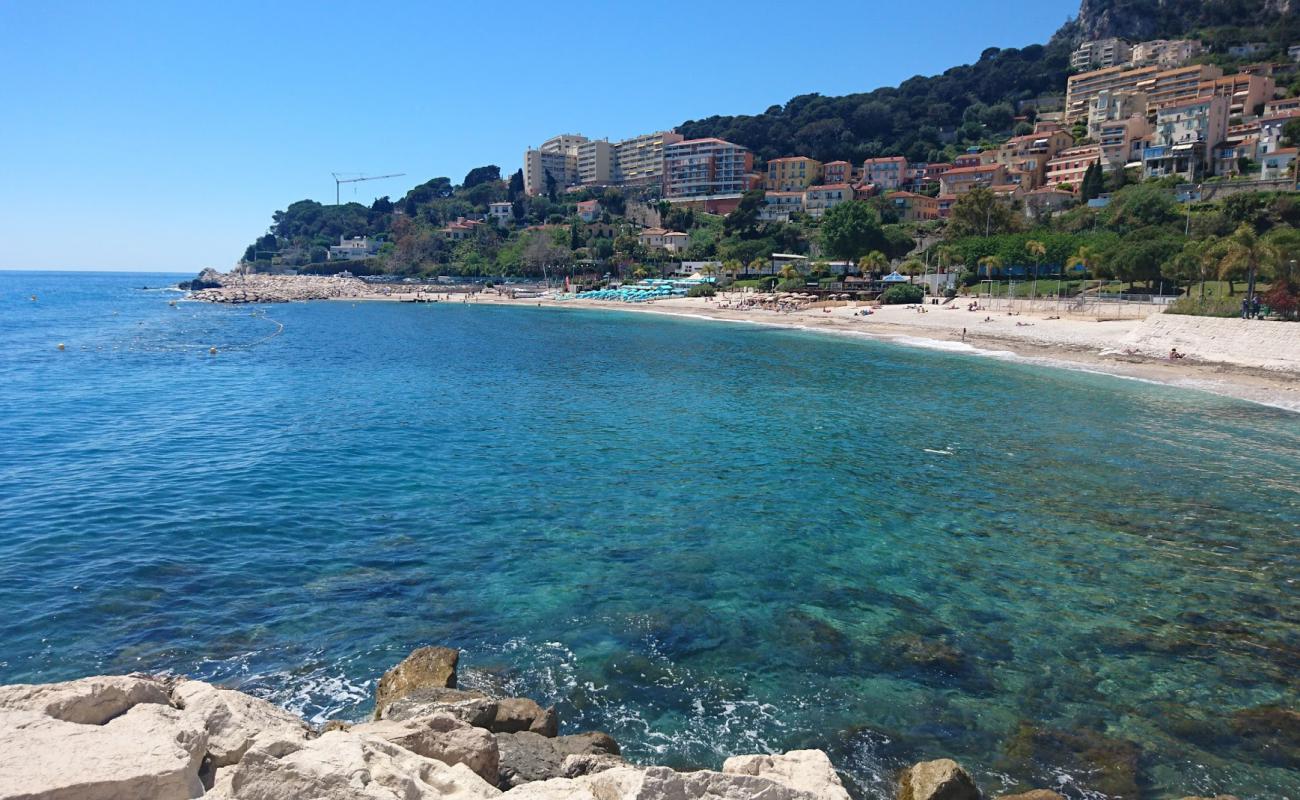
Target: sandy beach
x=1253 y=360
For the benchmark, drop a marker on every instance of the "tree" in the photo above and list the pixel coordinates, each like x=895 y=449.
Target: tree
x=912 y=267
x=743 y=221
x=1093 y=182
x=872 y=262
x=1142 y=253
x=551 y=186
x=515 y=189
x=989 y=264
x=1036 y=251
x=489 y=174
x=1245 y=252
x=851 y=229
x=980 y=213
x=1291 y=133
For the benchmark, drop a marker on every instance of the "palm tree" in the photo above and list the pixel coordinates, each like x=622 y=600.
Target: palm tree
x=990 y=263
x=912 y=267
x=875 y=261
x=1083 y=257
x=1244 y=250
x=788 y=273
x=1036 y=249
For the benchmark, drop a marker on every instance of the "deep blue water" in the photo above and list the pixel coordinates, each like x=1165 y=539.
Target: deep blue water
x=704 y=538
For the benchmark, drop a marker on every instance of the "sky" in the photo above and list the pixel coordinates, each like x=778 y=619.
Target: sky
x=161 y=136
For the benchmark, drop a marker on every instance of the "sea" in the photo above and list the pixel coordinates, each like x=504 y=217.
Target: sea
x=704 y=538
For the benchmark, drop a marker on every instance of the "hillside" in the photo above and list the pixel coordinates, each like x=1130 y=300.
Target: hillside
x=931 y=118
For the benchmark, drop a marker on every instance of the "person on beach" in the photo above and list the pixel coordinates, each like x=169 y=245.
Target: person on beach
x=1174 y=355
x=963 y=334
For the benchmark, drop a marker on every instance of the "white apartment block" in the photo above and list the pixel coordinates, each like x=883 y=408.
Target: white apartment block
x=1100 y=53
x=1166 y=52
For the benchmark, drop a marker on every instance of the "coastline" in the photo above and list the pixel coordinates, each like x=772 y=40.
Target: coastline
x=1061 y=343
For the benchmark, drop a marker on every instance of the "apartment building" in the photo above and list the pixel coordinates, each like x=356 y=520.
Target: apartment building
x=1070 y=165
x=1080 y=89
x=1109 y=106
x=914 y=207
x=706 y=167
x=817 y=200
x=1100 y=53
x=672 y=241
x=501 y=212
x=1177 y=85
x=595 y=163
x=639 y=161
x=792 y=174
x=1185 y=136
x=778 y=206
x=1247 y=94
x=1026 y=157
x=1166 y=52
x=888 y=173
x=564 y=143
x=561 y=166
x=1270 y=130
x=960 y=180
x=1278 y=165
x=837 y=172
x=1122 y=141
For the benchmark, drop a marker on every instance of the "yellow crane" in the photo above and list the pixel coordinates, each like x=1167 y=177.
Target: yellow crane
x=339 y=178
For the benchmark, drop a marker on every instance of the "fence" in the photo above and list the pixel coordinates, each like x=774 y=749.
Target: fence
x=1099 y=306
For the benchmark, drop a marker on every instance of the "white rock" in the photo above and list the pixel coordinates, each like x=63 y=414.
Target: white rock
x=807 y=771
x=442 y=737
x=88 y=701
x=661 y=783
x=233 y=719
x=342 y=765
x=148 y=752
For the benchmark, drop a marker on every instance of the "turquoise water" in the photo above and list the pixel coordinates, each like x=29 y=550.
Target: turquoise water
x=704 y=538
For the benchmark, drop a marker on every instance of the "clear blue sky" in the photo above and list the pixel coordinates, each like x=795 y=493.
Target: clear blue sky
x=161 y=135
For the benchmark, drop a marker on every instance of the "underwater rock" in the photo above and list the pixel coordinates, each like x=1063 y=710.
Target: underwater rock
x=1272 y=731
x=1112 y=763
x=932 y=654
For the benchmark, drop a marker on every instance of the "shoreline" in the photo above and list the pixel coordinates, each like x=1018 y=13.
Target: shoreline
x=1102 y=354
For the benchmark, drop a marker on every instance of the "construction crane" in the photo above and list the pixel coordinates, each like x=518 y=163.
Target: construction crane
x=341 y=180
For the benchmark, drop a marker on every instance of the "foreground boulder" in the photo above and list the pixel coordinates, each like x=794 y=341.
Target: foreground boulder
x=87 y=701
x=516 y=714
x=345 y=766
x=473 y=708
x=425 y=668
x=942 y=779
x=528 y=756
x=1036 y=794
x=661 y=783
x=149 y=751
x=808 y=771
x=233 y=720
x=441 y=737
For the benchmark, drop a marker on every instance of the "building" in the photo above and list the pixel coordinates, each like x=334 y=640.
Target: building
x=1185 y=136
x=1248 y=49
x=1165 y=52
x=888 y=173
x=778 y=206
x=960 y=180
x=1177 y=85
x=1111 y=105
x=672 y=241
x=1229 y=155
x=564 y=143
x=914 y=207
x=1247 y=94
x=945 y=202
x=1081 y=88
x=589 y=210
x=354 y=249
x=1270 y=130
x=460 y=229
x=926 y=174
x=837 y=172
x=817 y=200
x=1026 y=157
x=705 y=168
x=1122 y=140
x=639 y=161
x=1100 y=53
x=1294 y=52
x=1278 y=165
x=1046 y=200
x=562 y=167
x=1274 y=107
x=596 y=163
x=1070 y=165
x=792 y=174
x=501 y=212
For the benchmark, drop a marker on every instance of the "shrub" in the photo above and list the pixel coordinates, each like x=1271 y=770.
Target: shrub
x=1209 y=307
x=902 y=293
x=702 y=290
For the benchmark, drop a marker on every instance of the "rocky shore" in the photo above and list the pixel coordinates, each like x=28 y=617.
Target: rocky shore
x=158 y=738
x=229 y=287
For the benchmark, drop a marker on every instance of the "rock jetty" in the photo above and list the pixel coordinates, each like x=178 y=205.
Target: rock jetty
x=230 y=287
x=158 y=738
